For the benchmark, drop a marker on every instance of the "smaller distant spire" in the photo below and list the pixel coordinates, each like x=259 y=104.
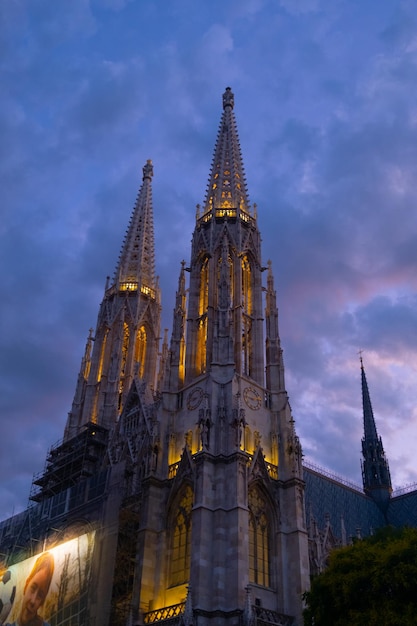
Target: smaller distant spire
x=375 y=470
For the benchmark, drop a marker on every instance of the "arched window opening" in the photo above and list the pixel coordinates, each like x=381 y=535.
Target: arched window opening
x=202 y=319
x=203 y=293
x=123 y=363
x=258 y=540
x=181 y=541
x=246 y=286
x=102 y=353
x=140 y=350
x=125 y=348
x=247 y=349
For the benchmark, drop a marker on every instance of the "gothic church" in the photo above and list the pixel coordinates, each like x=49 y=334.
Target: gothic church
x=180 y=462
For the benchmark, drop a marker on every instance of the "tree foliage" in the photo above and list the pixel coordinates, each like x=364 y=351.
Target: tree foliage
x=372 y=583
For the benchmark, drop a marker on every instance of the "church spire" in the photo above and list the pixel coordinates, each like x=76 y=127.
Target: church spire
x=225 y=316
x=126 y=342
x=137 y=258
x=227 y=185
x=375 y=469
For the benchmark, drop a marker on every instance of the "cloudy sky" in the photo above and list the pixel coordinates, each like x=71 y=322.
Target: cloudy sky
x=326 y=104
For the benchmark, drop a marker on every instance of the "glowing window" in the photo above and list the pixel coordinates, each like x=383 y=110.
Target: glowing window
x=246 y=286
x=203 y=299
x=200 y=354
x=102 y=353
x=181 y=541
x=258 y=540
x=129 y=286
x=125 y=348
x=140 y=350
x=247 y=348
x=147 y=291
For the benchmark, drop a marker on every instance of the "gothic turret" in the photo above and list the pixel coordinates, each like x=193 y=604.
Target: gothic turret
x=175 y=376
x=375 y=469
x=274 y=359
x=126 y=340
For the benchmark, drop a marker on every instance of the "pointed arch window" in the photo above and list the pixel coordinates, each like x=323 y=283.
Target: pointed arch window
x=247 y=348
x=202 y=318
x=203 y=294
x=140 y=350
x=123 y=364
x=125 y=349
x=102 y=353
x=181 y=540
x=246 y=286
x=259 y=538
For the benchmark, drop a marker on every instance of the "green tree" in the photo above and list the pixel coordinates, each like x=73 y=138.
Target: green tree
x=371 y=583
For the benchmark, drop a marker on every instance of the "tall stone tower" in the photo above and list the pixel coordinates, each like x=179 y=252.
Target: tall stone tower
x=213 y=463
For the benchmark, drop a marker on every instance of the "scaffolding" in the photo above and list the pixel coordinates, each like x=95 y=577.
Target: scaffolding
x=70 y=461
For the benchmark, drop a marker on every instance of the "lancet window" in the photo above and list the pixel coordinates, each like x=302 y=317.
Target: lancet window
x=123 y=364
x=202 y=318
x=181 y=540
x=102 y=353
x=246 y=286
x=125 y=348
x=259 y=538
x=140 y=350
x=247 y=347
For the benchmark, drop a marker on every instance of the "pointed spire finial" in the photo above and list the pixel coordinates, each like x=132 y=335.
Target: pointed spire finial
x=148 y=170
x=228 y=98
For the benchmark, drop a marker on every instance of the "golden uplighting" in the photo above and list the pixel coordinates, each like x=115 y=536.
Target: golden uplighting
x=129 y=286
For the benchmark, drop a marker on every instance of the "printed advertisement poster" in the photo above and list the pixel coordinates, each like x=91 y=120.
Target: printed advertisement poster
x=49 y=587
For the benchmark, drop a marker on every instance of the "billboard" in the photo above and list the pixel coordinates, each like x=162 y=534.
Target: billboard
x=49 y=588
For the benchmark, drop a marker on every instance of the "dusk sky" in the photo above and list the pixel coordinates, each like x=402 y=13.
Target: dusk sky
x=326 y=106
